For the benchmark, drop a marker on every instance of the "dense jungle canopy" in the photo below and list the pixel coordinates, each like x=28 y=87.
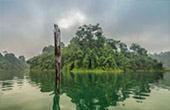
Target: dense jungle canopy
x=90 y=49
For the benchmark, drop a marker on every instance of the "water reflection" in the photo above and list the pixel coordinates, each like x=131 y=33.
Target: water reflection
x=11 y=74
x=56 y=99
x=92 y=91
x=9 y=77
x=45 y=80
x=98 y=91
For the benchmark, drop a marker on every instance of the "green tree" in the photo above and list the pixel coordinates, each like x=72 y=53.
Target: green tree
x=90 y=49
x=138 y=49
x=123 y=48
x=48 y=49
x=113 y=43
x=22 y=58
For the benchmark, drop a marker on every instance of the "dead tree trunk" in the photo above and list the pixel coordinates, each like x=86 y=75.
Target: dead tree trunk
x=57 y=55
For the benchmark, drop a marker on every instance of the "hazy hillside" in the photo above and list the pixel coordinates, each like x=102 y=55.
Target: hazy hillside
x=10 y=62
x=163 y=57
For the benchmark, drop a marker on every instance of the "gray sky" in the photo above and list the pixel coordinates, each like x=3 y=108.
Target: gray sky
x=26 y=26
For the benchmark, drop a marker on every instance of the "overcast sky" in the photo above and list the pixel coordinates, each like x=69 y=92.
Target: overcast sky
x=26 y=26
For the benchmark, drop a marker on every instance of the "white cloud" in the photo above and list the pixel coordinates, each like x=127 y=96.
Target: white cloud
x=71 y=18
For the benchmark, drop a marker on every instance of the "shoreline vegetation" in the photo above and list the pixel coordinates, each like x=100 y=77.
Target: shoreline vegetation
x=95 y=71
x=113 y=71
x=101 y=71
x=91 y=51
x=9 y=61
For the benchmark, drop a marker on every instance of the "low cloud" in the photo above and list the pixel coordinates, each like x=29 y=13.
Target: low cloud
x=71 y=18
x=27 y=26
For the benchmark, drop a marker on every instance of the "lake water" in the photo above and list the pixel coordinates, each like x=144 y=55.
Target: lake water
x=84 y=91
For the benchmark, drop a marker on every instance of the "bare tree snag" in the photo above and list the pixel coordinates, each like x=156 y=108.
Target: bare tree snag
x=57 y=54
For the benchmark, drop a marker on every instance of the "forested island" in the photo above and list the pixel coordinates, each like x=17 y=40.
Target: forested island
x=9 y=61
x=90 y=50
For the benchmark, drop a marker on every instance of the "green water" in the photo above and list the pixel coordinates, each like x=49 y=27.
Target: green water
x=107 y=91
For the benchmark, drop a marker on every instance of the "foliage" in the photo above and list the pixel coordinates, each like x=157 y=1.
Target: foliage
x=22 y=58
x=48 y=49
x=91 y=50
x=42 y=62
x=10 y=61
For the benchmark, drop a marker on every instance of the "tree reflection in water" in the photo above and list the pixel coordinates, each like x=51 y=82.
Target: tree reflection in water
x=56 y=99
x=7 y=78
x=97 y=90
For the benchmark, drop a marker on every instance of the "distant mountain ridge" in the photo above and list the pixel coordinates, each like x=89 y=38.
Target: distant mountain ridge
x=163 y=57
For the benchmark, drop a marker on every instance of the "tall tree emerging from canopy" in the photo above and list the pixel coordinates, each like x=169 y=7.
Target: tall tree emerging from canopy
x=89 y=35
x=138 y=49
x=90 y=49
x=113 y=43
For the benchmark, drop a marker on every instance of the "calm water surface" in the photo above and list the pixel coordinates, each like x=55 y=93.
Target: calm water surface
x=107 y=91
